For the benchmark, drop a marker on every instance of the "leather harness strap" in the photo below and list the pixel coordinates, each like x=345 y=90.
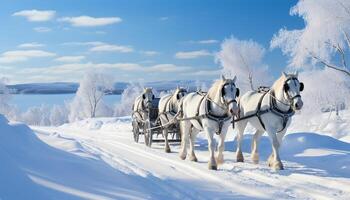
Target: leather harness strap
x=273 y=108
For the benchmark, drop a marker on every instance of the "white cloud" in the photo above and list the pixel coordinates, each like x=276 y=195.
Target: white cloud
x=208 y=41
x=93 y=43
x=42 y=29
x=31 y=45
x=23 y=55
x=163 y=18
x=70 y=59
x=111 y=48
x=87 y=21
x=149 y=53
x=36 y=15
x=192 y=54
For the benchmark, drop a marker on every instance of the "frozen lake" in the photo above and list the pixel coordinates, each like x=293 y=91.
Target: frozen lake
x=24 y=101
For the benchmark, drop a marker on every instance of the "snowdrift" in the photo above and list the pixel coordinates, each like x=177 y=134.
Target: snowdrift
x=31 y=169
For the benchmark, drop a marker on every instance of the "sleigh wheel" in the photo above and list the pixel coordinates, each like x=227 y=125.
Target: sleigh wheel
x=136 y=131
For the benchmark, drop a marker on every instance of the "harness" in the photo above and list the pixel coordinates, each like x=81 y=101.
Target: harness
x=285 y=115
x=208 y=114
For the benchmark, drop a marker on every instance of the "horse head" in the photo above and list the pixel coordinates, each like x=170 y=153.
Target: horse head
x=179 y=93
x=225 y=92
x=291 y=89
x=147 y=97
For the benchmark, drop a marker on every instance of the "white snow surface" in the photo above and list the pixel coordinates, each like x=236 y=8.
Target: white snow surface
x=98 y=159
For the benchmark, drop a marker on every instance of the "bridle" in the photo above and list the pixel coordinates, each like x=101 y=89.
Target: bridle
x=227 y=103
x=286 y=93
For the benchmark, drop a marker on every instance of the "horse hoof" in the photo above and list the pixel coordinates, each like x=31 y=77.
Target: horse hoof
x=240 y=159
x=220 y=160
x=167 y=150
x=193 y=158
x=255 y=161
x=255 y=158
x=183 y=157
x=277 y=166
x=213 y=167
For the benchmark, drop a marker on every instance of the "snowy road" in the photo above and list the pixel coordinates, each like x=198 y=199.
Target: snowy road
x=166 y=176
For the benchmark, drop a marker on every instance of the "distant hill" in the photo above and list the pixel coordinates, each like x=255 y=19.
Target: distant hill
x=69 y=87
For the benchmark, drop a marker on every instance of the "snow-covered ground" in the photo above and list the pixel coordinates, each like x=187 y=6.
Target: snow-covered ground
x=97 y=159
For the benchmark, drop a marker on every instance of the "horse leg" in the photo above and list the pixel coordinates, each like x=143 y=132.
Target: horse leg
x=274 y=160
x=211 y=147
x=255 y=144
x=185 y=132
x=240 y=130
x=192 y=143
x=165 y=134
x=221 y=147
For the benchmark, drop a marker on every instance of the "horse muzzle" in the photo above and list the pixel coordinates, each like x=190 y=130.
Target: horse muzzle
x=298 y=104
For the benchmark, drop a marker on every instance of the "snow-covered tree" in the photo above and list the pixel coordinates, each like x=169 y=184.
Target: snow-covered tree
x=88 y=101
x=325 y=38
x=37 y=115
x=127 y=99
x=243 y=58
x=58 y=115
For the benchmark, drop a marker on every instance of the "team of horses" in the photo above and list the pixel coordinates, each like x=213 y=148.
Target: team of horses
x=268 y=110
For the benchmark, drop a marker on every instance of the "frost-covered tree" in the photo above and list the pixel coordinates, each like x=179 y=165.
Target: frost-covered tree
x=243 y=58
x=127 y=99
x=325 y=38
x=6 y=108
x=320 y=47
x=88 y=101
x=58 y=115
x=37 y=115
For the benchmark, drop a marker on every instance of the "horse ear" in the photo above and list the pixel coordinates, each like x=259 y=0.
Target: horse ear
x=301 y=86
x=284 y=74
x=234 y=79
x=296 y=73
x=223 y=77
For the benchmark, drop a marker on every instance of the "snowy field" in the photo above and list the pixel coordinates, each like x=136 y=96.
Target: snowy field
x=97 y=159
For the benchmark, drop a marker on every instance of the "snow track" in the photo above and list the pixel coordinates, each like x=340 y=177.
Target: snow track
x=173 y=178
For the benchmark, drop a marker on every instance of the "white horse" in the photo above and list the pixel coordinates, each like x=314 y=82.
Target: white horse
x=269 y=111
x=141 y=110
x=168 y=108
x=211 y=113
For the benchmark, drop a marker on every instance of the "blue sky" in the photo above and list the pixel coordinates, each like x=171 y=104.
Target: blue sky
x=47 y=41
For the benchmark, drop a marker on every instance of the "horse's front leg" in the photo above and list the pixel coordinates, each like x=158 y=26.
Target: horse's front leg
x=274 y=160
x=221 y=146
x=240 y=131
x=211 y=147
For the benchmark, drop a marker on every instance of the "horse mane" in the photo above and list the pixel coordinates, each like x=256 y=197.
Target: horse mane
x=214 y=92
x=147 y=90
x=278 y=84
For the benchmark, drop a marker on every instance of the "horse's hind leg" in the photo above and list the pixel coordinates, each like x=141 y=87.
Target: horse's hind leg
x=185 y=132
x=165 y=135
x=255 y=144
x=240 y=130
x=193 y=137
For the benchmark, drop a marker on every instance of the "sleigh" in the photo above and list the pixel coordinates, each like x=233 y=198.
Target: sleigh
x=155 y=132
